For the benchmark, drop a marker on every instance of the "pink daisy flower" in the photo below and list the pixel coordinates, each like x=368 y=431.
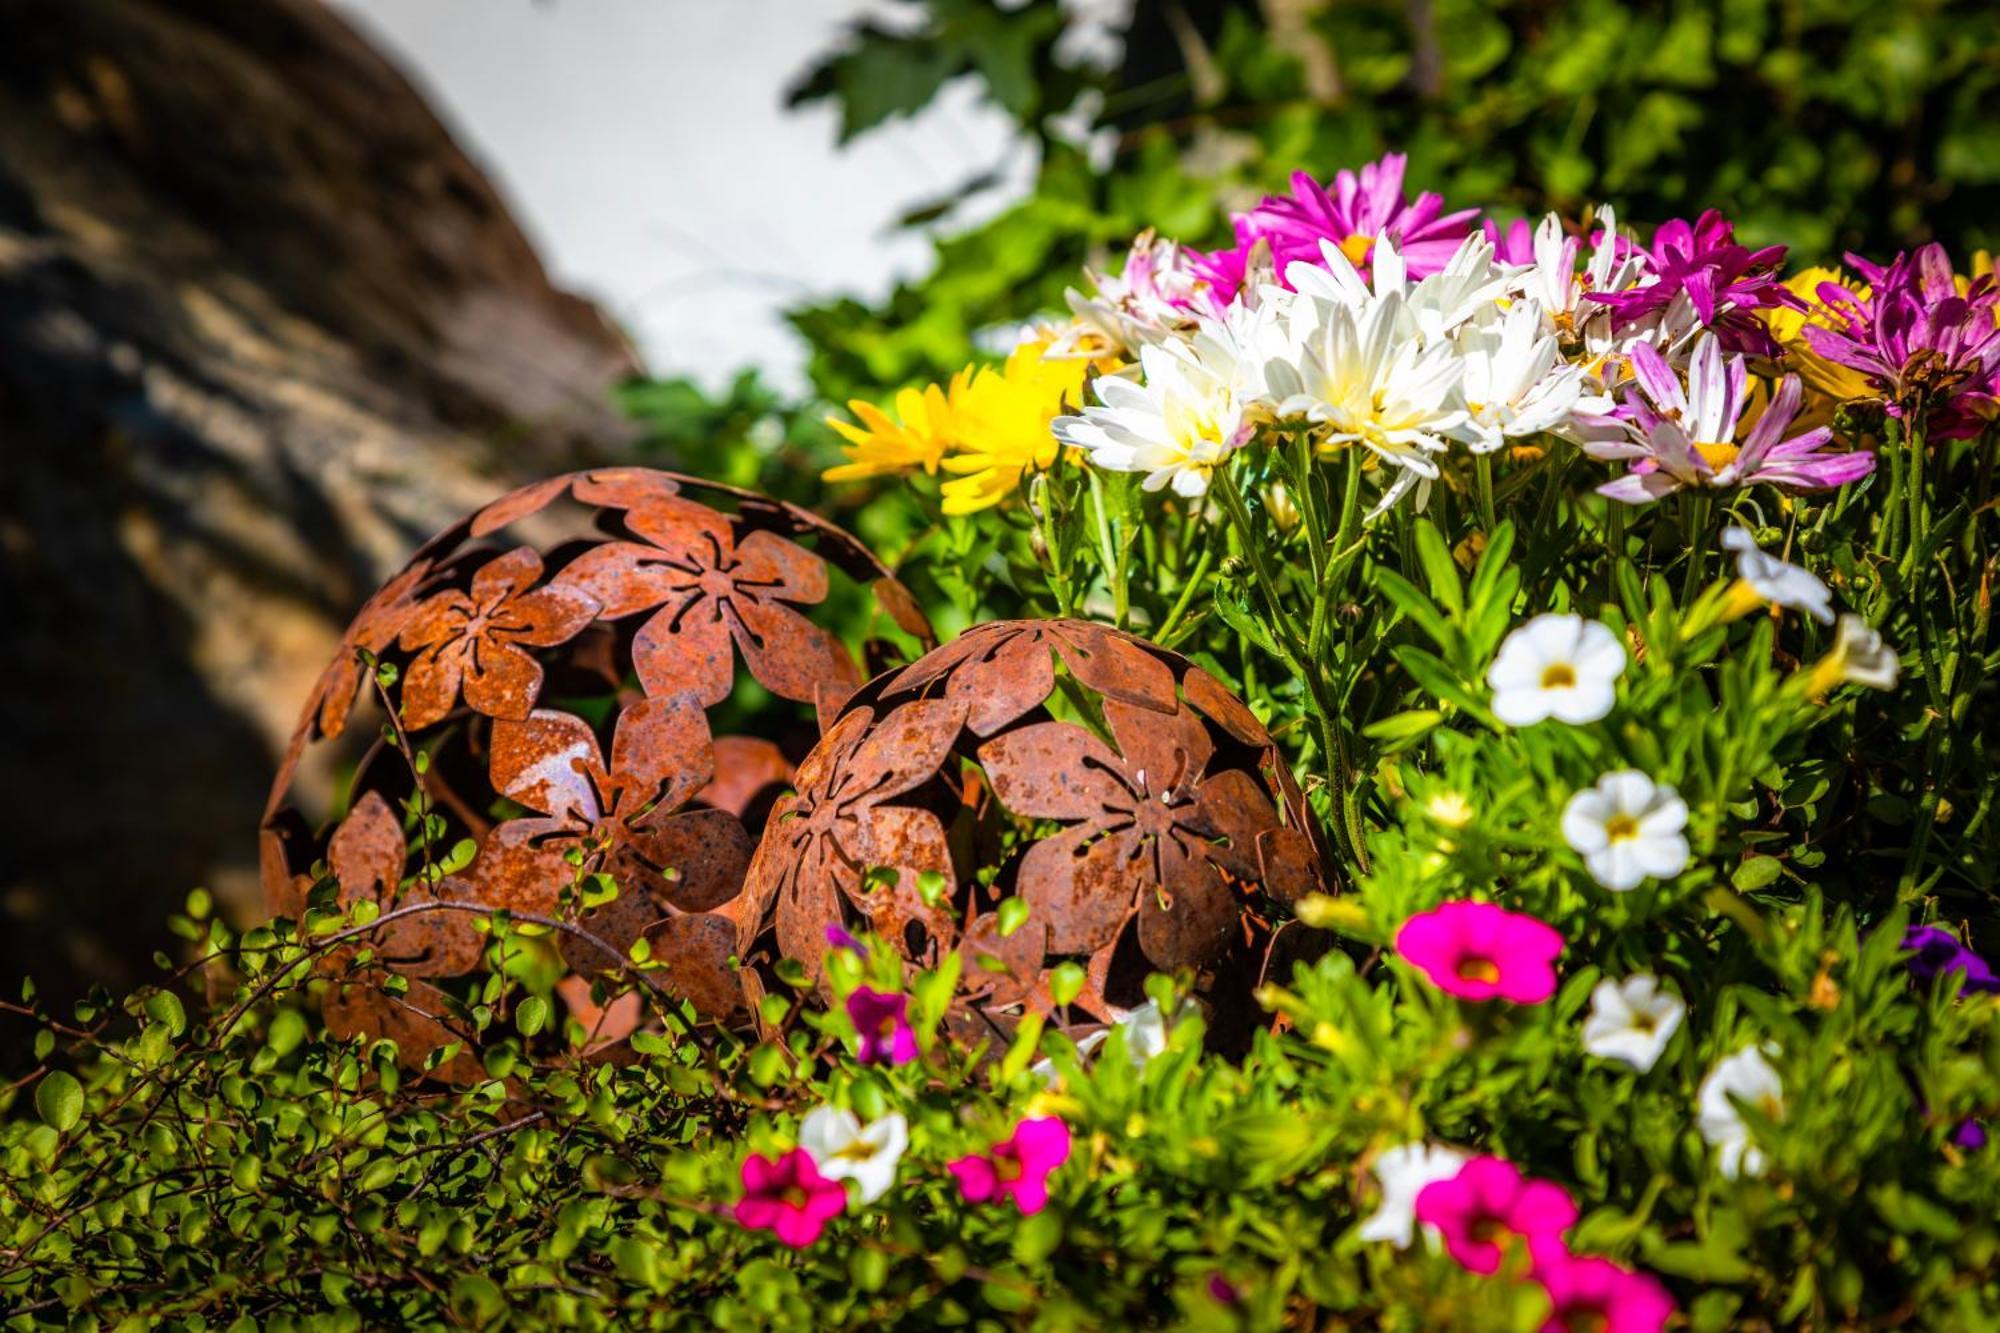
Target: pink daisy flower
x=1598 y=1295
x=1724 y=281
x=1018 y=1168
x=1357 y=211
x=1478 y=951
x=884 y=1025
x=1488 y=1206
x=787 y=1195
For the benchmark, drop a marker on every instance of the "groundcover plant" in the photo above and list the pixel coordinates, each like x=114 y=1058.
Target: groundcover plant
x=1622 y=599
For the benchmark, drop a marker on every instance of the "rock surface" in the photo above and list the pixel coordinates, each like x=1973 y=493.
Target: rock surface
x=263 y=328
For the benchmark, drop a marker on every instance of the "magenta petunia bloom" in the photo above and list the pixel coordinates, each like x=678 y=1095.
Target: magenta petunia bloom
x=1676 y=436
x=1018 y=1168
x=1357 y=211
x=789 y=1196
x=1597 y=1294
x=1724 y=282
x=1478 y=951
x=1921 y=344
x=839 y=937
x=1935 y=951
x=1513 y=243
x=884 y=1025
x=1488 y=1206
x=1970 y=1135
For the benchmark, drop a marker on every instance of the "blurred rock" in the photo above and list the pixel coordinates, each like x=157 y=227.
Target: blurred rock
x=263 y=328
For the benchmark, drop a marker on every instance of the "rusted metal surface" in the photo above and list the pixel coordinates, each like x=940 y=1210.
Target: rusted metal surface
x=1144 y=817
x=556 y=657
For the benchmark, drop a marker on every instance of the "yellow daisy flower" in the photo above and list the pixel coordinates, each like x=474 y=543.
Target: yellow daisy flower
x=1001 y=423
x=882 y=445
x=1828 y=384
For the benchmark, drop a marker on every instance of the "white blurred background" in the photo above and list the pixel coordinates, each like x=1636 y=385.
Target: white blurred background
x=646 y=148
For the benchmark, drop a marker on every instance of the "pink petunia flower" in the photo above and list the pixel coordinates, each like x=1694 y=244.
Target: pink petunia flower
x=789 y=1196
x=1678 y=437
x=1488 y=1207
x=884 y=1025
x=1724 y=282
x=1921 y=344
x=1354 y=214
x=1478 y=951
x=1599 y=1295
x=1018 y=1168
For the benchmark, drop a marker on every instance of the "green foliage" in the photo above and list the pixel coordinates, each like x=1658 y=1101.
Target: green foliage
x=1827 y=125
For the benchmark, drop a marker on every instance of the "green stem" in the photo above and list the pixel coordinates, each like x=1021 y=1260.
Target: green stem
x=1109 y=550
x=1482 y=475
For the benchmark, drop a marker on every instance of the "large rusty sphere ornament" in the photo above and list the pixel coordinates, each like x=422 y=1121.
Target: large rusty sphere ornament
x=551 y=672
x=1136 y=806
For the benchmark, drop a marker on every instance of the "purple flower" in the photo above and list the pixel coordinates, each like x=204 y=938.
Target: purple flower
x=884 y=1025
x=1679 y=437
x=1924 y=346
x=1512 y=244
x=1356 y=212
x=1970 y=1136
x=1222 y=1291
x=837 y=937
x=1723 y=281
x=1935 y=951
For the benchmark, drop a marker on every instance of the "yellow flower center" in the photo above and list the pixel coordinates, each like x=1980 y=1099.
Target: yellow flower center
x=1558 y=676
x=1621 y=828
x=1718 y=456
x=1478 y=969
x=1356 y=248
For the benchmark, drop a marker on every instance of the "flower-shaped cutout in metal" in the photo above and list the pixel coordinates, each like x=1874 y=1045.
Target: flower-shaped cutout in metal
x=626 y=819
x=1014 y=669
x=475 y=641
x=706 y=588
x=842 y=822
x=1151 y=832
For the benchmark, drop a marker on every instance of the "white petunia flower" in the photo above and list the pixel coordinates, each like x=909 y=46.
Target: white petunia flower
x=1864 y=659
x=1745 y=1077
x=1403 y=1172
x=1358 y=374
x=1559 y=666
x=1776 y=581
x=1632 y=1020
x=1145 y=1037
x=1196 y=404
x=1516 y=383
x=845 y=1149
x=1626 y=828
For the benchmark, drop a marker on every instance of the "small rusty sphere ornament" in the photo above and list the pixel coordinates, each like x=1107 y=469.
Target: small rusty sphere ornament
x=541 y=687
x=1134 y=805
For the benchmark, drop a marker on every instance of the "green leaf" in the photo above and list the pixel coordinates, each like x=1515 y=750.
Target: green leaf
x=59 y=1101
x=1012 y=914
x=532 y=1016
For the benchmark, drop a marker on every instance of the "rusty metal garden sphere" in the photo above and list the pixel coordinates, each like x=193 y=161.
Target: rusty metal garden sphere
x=532 y=703
x=1136 y=806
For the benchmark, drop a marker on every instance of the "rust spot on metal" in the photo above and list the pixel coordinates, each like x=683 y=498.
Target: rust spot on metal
x=557 y=685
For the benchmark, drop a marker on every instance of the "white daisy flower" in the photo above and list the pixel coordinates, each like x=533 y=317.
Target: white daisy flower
x=845 y=1149
x=1196 y=404
x=1403 y=1172
x=1745 y=1077
x=1516 y=383
x=1626 y=828
x=1559 y=666
x=1776 y=581
x=1353 y=371
x=1632 y=1020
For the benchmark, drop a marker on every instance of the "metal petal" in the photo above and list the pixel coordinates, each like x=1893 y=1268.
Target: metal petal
x=367 y=853
x=506 y=577
x=520 y=867
x=1054 y=770
x=1115 y=664
x=419 y=1022
x=503 y=681
x=1236 y=811
x=553 y=613
x=625 y=578
x=1172 y=750
x=661 y=747
x=1214 y=700
x=682 y=527
x=746 y=767
x=708 y=851
x=780 y=569
x=697 y=950
x=1186 y=921
x=686 y=648
x=788 y=654
x=1080 y=886
x=518 y=504
x=904 y=747
x=545 y=761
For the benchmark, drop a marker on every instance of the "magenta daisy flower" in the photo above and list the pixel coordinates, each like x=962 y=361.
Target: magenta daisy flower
x=884 y=1024
x=1018 y=1168
x=1478 y=951
x=1490 y=1207
x=1924 y=346
x=1357 y=211
x=1687 y=436
x=788 y=1196
x=1724 y=282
